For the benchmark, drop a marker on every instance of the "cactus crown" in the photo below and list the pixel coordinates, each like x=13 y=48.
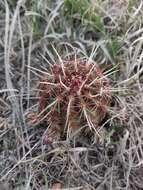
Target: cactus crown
x=73 y=94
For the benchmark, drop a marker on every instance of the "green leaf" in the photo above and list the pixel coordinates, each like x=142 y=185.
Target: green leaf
x=97 y=21
x=76 y=6
x=113 y=46
x=85 y=13
x=131 y=3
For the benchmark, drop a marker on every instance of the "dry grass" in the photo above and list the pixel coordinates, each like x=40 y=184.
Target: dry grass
x=113 y=38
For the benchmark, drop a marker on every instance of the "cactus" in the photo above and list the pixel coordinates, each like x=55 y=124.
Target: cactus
x=73 y=94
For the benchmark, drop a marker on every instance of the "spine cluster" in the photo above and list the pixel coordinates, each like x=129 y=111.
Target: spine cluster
x=73 y=94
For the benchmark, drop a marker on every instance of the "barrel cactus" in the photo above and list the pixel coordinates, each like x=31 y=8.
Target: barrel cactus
x=73 y=94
